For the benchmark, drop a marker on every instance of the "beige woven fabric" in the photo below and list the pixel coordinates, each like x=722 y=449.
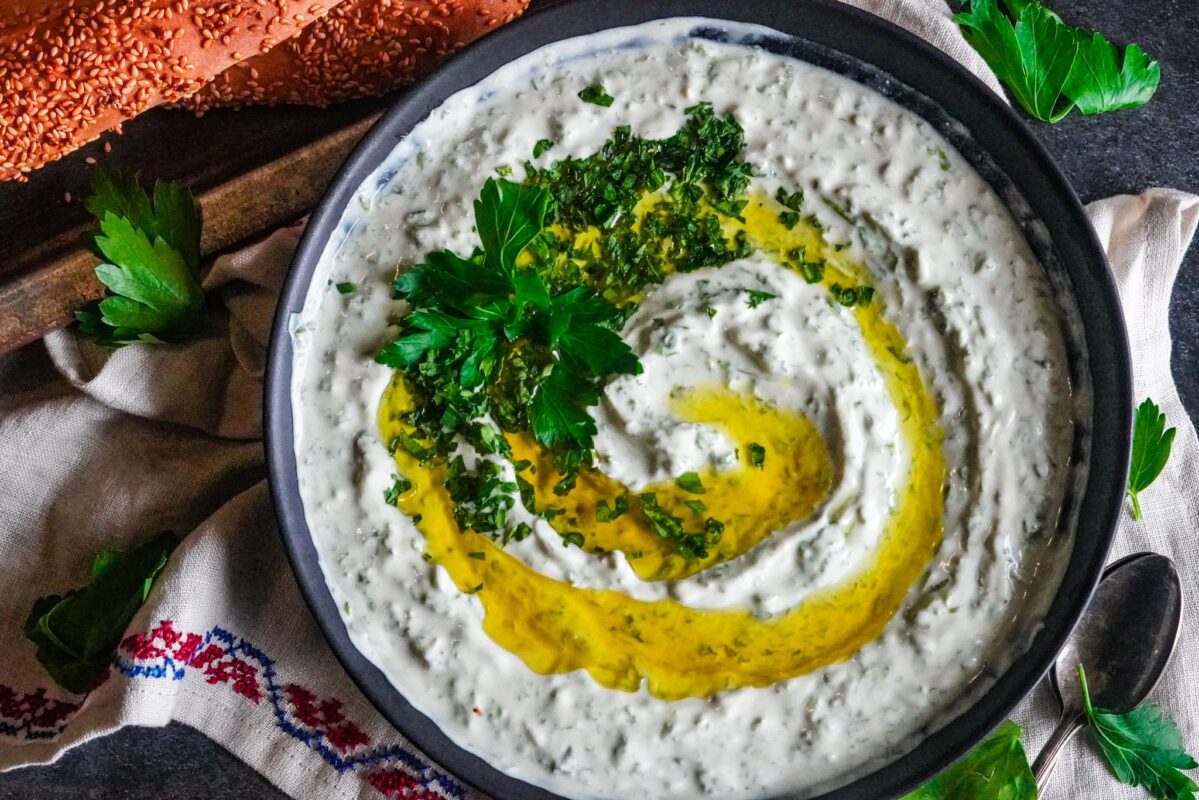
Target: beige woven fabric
x=102 y=449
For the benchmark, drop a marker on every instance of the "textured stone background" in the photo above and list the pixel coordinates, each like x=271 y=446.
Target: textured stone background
x=1120 y=153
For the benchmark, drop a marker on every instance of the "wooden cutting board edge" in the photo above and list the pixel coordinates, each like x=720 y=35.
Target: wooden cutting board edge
x=61 y=274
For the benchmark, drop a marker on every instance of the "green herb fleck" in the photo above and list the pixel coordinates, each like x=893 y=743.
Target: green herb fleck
x=399 y=485
x=696 y=506
x=346 y=287
x=620 y=506
x=573 y=537
x=690 y=482
x=757 y=455
x=477 y=555
x=542 y=147
x=596 y=95
x=757 y=298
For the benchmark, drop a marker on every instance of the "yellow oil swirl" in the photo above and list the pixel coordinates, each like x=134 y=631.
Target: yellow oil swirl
x=674 y=650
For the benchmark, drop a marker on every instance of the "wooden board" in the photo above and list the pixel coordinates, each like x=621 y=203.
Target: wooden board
x=252 y=170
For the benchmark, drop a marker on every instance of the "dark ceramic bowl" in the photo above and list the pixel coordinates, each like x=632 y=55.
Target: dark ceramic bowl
x=979 y=124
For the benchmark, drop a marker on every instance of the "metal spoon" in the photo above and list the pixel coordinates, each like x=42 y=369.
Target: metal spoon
x=1124 y=641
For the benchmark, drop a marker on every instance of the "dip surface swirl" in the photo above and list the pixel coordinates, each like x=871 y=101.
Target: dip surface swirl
x=917 y=448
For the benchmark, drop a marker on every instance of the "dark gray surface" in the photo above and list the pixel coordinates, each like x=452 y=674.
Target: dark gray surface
x=1124 y=152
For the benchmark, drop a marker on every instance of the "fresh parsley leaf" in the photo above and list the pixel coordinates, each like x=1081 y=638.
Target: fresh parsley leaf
x=151 y=250
x=542 y=147
x=76 y=634
x=1050 y=66
x=573 y=537
x=758 y=297
x=696 y=506
x=690 y=482
x=596 y=95
x=1142 y=747
x=757 y=455
x=1033 y=58
x=1151 y=444
x=346 y=287
x=558 y=414
x=509 y=216
x=1097 y=84
x=995 y=770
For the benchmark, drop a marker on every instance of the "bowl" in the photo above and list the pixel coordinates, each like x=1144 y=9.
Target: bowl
x=988 y=134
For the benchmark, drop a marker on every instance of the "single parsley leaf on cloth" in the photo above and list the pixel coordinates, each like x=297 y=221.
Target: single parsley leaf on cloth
x=1098 y=84
x=995 y=770
x=596 y=95
x=1033 y=57
x=151 y=253
x=76 y=634
x=1142 y=747
x=1151 y=444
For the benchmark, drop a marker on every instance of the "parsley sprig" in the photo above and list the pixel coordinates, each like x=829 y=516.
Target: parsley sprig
x=77 y=633
x=1151 y=444
x=1051 y=67
x=995 y=770
x=150 y=248
x=1142 y=747
x=486 y=338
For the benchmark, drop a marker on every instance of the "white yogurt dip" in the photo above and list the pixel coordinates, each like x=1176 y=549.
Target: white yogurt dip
x=956 y=276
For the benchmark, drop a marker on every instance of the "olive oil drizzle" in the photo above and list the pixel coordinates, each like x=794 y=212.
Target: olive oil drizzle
x=674 y=650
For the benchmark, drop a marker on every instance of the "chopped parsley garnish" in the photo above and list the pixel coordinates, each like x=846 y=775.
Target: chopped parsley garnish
x=711 y=312
x=399 y=485
x=699 y=176
x=619 y=507
x=757 y=455
x=474 y=589
x=542 y=147
x=850 y=296
x=485 y=337
x=758 y=297
x=812 y=271
x=503 y=170
x=596 y=95
x=346 y=287
x=668 y=526
x=573 y=537
x=791 y=203
x=690 y=482
x=696 y=506
x=478 y=555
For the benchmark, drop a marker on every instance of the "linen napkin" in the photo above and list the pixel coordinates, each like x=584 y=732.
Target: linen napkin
x=102 y=449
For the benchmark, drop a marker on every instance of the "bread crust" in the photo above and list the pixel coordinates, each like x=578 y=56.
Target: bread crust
x=362 y=47
x=72 y=69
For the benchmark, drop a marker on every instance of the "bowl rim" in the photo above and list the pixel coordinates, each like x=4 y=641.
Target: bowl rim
x=911 y=61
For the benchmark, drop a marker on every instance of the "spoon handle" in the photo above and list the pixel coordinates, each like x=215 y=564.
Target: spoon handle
x=1042 y=768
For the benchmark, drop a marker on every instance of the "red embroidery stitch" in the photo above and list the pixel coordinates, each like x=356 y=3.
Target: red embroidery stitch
x=34 y=708
x=241 y=676
x=174 y=645
x=325 y=717
x=393 y=783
